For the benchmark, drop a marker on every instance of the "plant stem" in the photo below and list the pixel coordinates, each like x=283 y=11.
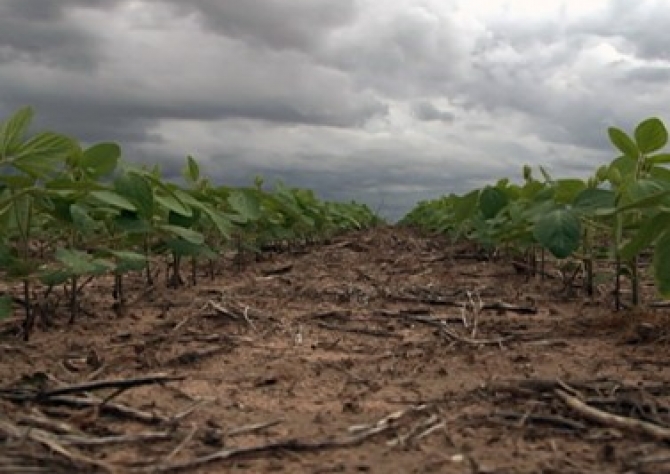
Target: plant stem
x=635 y=282
x=74 y=304
x=28 y=321
x=617 y=285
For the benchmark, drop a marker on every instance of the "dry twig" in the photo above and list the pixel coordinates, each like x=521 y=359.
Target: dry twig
x=608 y=419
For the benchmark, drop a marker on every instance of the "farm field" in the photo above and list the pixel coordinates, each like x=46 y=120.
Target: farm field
x=381 y=350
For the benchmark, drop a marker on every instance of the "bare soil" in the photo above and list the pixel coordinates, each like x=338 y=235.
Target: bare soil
x=382 y=351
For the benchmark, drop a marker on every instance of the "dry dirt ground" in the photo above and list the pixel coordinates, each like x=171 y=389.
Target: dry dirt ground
x=380 y=352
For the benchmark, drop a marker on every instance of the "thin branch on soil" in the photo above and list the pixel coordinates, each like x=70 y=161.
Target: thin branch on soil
x=110 y=408
x=183 y=414
x=476 y=310
x=659 y=304
x=120 y=439
x=362 y=433
x=527 y=386
x=235 y=314
x=221 y=309
x=650 y=459
x=187 y=439
x=50 y=441
x=456 y=302
x=387 y=420
x=246 y=429
x=190 y=357
x=553 y=420
x=341 y=314
x=439 y=323
x=245 y=314
x=502 y=306
x=417 y=430
x=441 y=424
x=608 y=419
x=601 y=386
x=475 y=342
x=38 y=420
x=90 y=386
x=366 y=331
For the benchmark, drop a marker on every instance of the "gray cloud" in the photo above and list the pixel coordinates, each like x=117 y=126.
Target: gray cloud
x=383 y=101
x=41 y=32
x=651 y=75
x=274 y=24
x=642 y=24
x=424 y=110
x=400 y=50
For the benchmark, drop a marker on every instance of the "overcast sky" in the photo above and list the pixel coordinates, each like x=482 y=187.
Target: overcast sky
x=383 y=101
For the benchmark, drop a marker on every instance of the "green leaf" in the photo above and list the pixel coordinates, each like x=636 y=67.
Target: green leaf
x=113 y=199
x=659 y=158
x=643 y=193
x=659 y=172
x=128 y=261
x=42 y=155
x=546 y=175
x=651 y=135
x=101 y=159
x=13 y=130
x=491 y=201
x=175 y=218
x=559 y=231
x=192 y=171
x=5 y=306
x=46 y=144
x=138 y=191
x=661 y=265
x=466 y=206
x=185 y=248
x=535 y=210
x=620 y=170
x=592 y=199
x=55 y=277
x=624 y=143
x=646 y=235
x=82 y=220
x=643 y=188
x=37 y=166
x=531 y=189
x=78 y=262
x=128 y=221
x=186 y=234
x=172 y=204
x=220 y=221
x=245 y=204
x=17 y=181
x=565 y=190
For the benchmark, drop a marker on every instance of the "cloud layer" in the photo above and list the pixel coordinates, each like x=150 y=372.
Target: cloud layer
x=388 y=102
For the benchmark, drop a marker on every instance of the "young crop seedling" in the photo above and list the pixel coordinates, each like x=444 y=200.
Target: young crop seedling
x=69 y=215
x=625 y=204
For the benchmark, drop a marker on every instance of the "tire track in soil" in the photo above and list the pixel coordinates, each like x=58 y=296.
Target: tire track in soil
x=309 y=346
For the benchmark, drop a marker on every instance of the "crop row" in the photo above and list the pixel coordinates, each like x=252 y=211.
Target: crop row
x=625 y=204
x=69 y=213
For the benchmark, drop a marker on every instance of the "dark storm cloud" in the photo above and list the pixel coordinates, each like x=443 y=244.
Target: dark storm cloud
x=391 y=190
x=383 y=101
x=426 y=111
x=648 y=74
x=123 y=102
x=41 y=32
x=400 y=52
x=275 y=24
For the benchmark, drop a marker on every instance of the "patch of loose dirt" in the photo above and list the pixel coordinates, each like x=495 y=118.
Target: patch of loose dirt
x=356 y=356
